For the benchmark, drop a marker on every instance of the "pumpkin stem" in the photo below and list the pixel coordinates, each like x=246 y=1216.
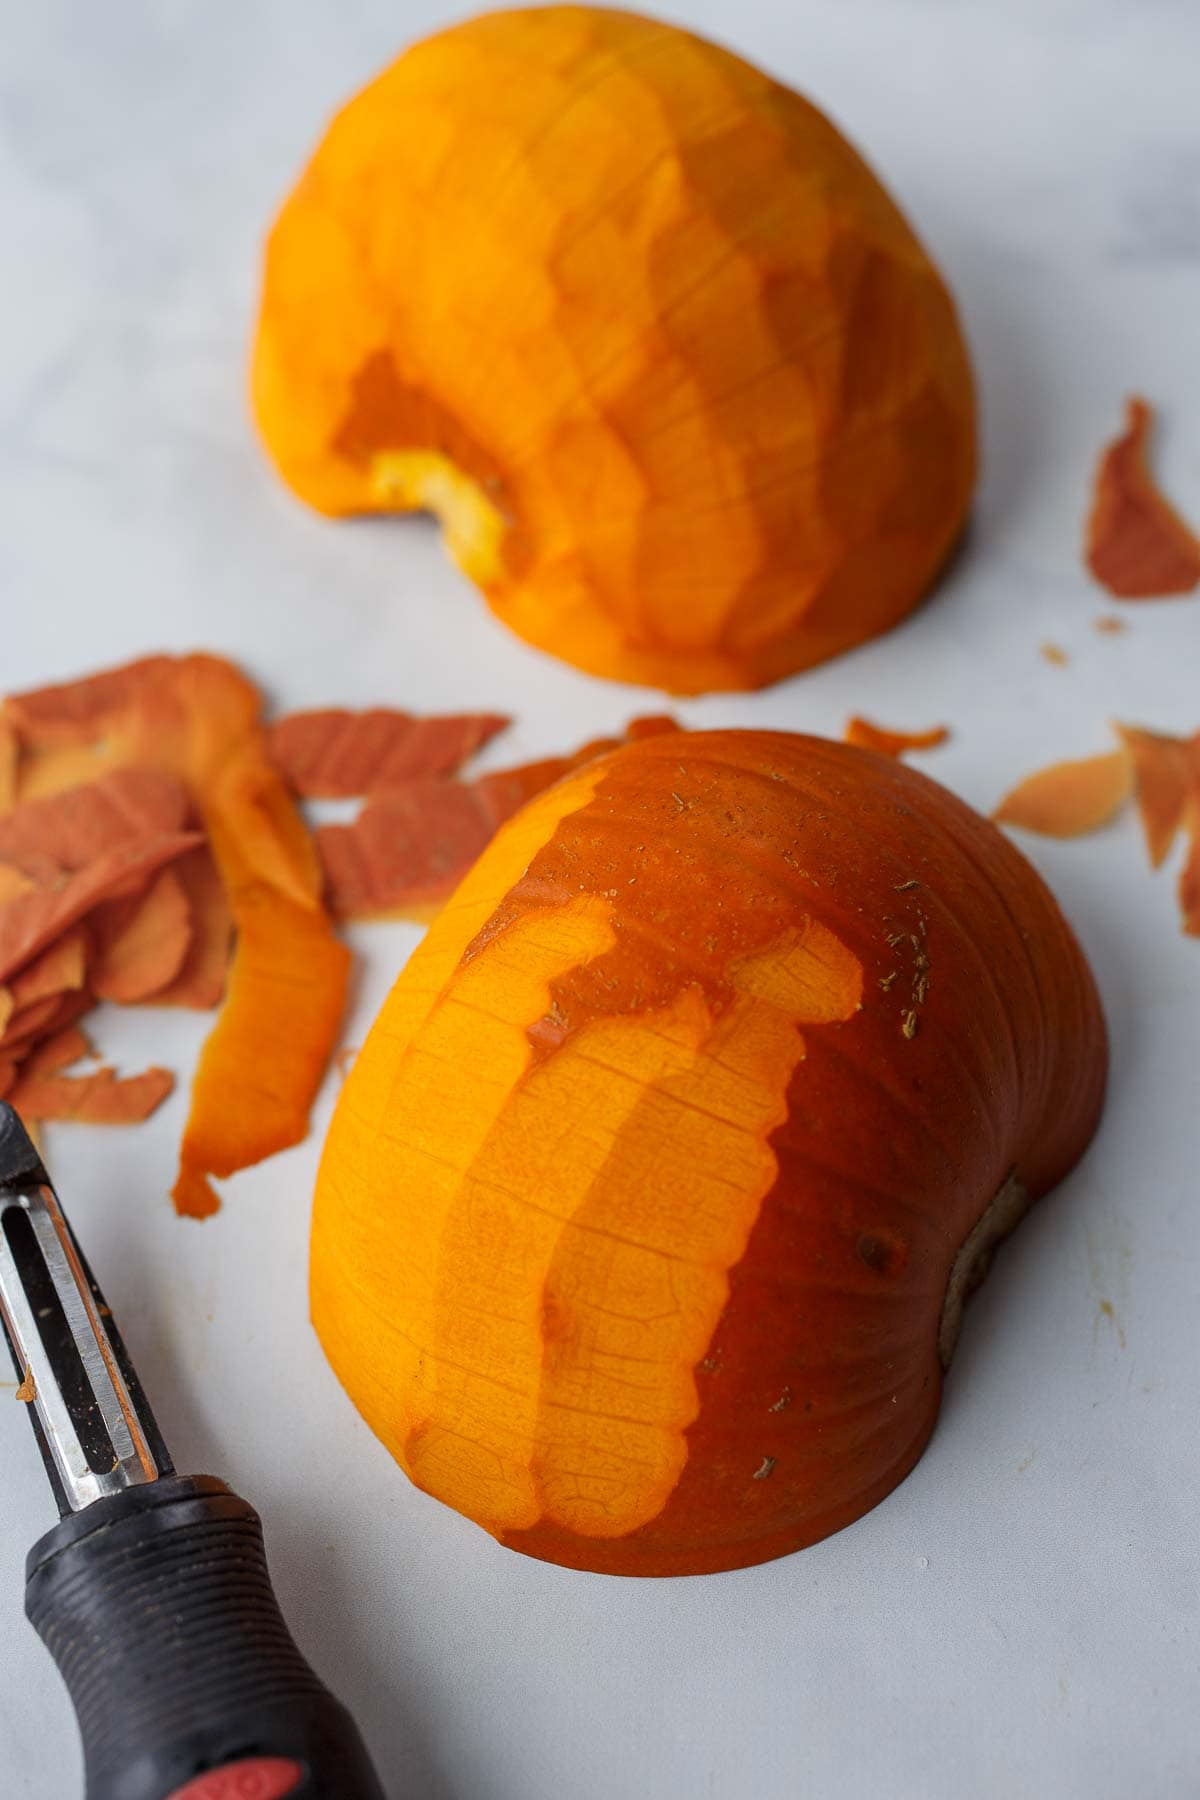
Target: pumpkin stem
x=1002 y=1214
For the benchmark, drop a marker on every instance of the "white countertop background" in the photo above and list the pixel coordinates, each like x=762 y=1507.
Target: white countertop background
x=1021 y=1617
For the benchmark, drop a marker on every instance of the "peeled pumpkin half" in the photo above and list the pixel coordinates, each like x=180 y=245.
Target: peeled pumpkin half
x=648 y=1212
x=645 y=331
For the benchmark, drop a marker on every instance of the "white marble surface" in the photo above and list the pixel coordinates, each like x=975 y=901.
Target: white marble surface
x=1021 y=1617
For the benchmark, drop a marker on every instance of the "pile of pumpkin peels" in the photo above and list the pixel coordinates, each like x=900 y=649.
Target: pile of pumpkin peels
x=152 y=852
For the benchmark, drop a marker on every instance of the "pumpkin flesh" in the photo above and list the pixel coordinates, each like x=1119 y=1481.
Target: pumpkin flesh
x=641 y=327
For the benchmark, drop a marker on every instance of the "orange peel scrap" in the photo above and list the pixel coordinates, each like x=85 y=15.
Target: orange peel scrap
x=58 y=1051
x=145 y=944
x=333 y=754
x=61 y=966
x=201 y=979
x=407 y=850
x=1138 y=546
x=31 y=1028
x=73 y=828
x=1070 y=799
x=1165 y=769
x=101 y=1098
x=26 y=1023
x=1167 y=776
x=31 y=921
x=868 y=736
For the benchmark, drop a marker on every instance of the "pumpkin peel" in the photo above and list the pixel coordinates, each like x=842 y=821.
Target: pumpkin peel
x=1168 y=789
x=100 y=1098
x=62 y=965
x=27 y=1023
x=200 y=980
x=43 y=1020
x=74 y=827
x=1070 y=799
x=143 y=945
x=1167 y=774
x=1138 y=546
x=63 y=1047
x=406 y=849
x=33 y=920
x=888 y=742
x=1165 y=768
x=260 y=1068
x=335 y=754
x=40 y=1090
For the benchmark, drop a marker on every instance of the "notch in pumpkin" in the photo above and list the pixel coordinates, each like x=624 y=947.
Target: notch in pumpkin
x=641 y=326
x=650 y=1207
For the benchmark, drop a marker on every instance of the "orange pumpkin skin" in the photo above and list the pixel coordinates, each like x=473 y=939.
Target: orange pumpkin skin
x=643 y=1209
x=642 y=327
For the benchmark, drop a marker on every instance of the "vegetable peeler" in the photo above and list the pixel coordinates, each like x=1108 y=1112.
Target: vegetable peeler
x=152 y=1592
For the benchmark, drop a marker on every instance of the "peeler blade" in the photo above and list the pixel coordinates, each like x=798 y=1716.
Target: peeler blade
x=94 y=1426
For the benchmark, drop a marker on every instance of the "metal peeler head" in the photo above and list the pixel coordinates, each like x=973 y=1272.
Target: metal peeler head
x=94 y=1427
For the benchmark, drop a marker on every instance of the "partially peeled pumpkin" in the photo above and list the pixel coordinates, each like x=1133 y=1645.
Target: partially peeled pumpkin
x=638 y=323
x=649 y=1208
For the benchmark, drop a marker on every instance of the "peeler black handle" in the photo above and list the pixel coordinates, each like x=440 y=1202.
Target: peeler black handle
x=158 y=1608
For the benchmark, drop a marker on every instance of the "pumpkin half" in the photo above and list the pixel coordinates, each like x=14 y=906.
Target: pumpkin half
x=648 y=1210
x=644 y=330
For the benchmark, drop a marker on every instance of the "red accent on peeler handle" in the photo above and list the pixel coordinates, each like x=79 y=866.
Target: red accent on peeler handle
x=253 y=1778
